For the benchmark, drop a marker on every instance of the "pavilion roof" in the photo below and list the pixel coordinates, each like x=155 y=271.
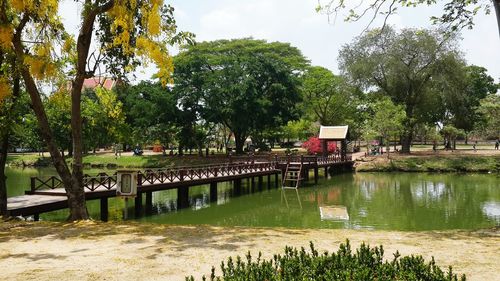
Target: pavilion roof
x=333 y=132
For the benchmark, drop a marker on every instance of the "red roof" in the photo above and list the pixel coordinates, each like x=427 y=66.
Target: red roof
x=106 y=83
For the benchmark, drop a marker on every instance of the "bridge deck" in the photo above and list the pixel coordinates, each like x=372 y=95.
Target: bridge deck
x=48 y=195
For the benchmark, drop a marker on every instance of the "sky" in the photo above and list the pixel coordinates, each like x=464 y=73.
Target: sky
x=318 y=37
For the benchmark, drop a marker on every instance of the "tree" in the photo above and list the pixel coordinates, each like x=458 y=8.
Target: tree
x=456 y=14
x=404 y=66
x=328 y=97
x=248 y=85
x=150 y=110
x=7 y=118
x=127 y=31
x=490 y=110
x=387 y=120
x=472 y=85
x=450 y=134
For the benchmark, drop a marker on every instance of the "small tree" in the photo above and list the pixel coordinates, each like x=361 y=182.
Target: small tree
x=387 y=120
x=450 y=134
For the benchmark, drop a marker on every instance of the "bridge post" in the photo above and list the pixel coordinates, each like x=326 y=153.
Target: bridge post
x=104 y=209
x=261 y=181
x=316 y=175
x=326 y=172
x=269 y=181
x=36 y=217
x=182 y=197
x=138 y=204
x=149 y=202
x=33 y=187
x=237 y=187
x=276 y=180
x=213 y=192
x=253 y=184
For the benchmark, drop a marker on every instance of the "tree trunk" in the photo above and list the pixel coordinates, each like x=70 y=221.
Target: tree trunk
x=239 y=140
x=3 y=178
x=4 y=144
x=496 y=4
x=406 y=141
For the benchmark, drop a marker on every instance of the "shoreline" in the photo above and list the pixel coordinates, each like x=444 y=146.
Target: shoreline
x=142 y=251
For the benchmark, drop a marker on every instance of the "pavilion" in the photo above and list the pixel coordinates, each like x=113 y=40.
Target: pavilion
x=334 y=133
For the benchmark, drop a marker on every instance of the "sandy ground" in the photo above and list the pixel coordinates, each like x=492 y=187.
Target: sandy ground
x=112 y=251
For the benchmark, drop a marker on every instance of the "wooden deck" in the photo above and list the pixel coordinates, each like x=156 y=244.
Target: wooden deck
x=48 y=194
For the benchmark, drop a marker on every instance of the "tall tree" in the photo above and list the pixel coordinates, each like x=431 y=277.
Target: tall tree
x=151 y=111
x=328 y=97
x=457 y=14
x=128 y=31
x=7 y=112
x=404 y=66
x=248 y=85
x=470 y=85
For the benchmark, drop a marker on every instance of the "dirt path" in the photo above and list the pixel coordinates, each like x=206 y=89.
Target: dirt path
x=109 y=251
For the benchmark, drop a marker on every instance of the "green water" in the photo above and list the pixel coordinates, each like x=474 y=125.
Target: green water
x=391 y=201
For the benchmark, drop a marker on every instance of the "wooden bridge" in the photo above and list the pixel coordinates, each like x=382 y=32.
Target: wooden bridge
x=48 y=194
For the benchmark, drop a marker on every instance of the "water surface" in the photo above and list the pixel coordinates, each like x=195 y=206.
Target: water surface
x=390 y=201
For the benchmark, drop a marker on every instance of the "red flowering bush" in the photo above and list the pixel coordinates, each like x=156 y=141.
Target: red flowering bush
x=313 y=146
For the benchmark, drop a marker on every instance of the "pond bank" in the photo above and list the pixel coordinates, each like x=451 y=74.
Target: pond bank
x=431 y=162
x=141 y=251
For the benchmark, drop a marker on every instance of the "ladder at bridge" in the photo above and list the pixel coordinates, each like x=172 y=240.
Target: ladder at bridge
x=292 y=176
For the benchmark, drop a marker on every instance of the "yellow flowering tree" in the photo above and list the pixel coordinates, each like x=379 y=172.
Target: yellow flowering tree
x=125 y=33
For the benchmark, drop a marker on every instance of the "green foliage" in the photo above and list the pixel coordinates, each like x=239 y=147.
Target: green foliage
x=456 y=14
x=405 y=66
x=327 y=97
x=248 y=85
x=490 y=111
x=388 y=118
x=150 y=111
x=365 y=263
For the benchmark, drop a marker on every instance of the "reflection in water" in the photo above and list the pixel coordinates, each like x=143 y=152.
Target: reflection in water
x=295 y=198
x=492 y=210
x=333 y=212
x=397 y=201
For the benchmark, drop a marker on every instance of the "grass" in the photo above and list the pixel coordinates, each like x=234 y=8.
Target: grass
x=124 y=161
x=478 y=164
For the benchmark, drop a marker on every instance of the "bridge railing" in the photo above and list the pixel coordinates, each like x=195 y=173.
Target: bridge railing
x=159 y=176
x=104 y=181
x=92 y=183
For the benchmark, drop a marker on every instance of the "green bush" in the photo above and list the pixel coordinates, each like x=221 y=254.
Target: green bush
x=365 y=264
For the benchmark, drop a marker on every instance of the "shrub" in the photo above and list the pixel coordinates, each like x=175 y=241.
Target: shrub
x=365 y=264
x=313 y=146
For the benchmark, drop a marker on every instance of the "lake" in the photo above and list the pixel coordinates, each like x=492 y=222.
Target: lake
x=389 y=201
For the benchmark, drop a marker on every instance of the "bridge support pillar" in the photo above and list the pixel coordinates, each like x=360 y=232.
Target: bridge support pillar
x=268 y=181
x=276 y=180
x=306 y=174
x=213 y=192
x=260 y=182
x=253 y=184
x=237 y=187
x=138 y=204
x=36 y=217
x=315 y=175
x=326 y=172
x=149 y=203
x=182 y=197
x=104 y=209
